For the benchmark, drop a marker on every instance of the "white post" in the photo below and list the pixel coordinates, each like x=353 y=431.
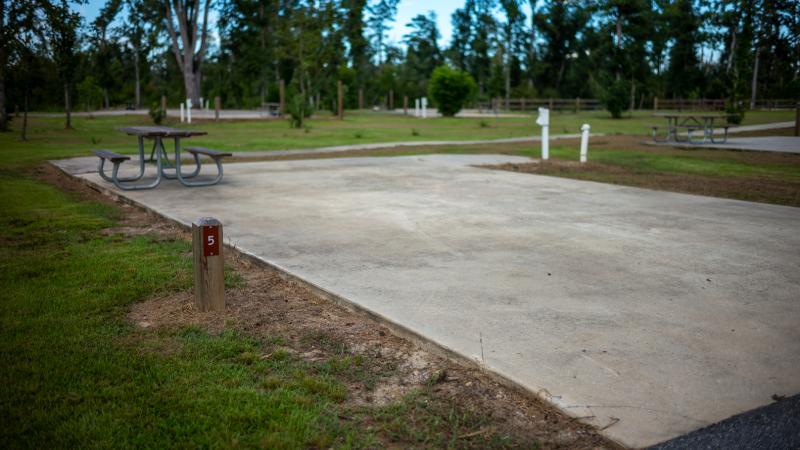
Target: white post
x=189 y=110
x=544 y=121
x=416 y=107
x=584 y=141
x=182 y=113
x=424 y=107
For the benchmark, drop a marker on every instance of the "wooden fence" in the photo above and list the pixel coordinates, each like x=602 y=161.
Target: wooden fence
x=654 y=104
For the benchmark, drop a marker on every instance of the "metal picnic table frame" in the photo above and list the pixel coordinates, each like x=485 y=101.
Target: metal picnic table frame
x=679 y=120
x=158 y=134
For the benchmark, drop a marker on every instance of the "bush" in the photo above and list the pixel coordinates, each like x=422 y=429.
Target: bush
x=298 y=109
x=89 y=93
x=736 y=111
x=450 y=89
x=157 y=114
x=617 y=98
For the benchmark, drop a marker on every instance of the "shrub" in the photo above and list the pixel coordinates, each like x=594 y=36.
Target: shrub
x=450 y=89
x=736 y=111
x=157 y=114
x=617 y=98
x=298 y=109
x=89 y=93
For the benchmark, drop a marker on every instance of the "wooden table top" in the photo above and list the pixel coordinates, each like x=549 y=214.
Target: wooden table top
x=161 y=132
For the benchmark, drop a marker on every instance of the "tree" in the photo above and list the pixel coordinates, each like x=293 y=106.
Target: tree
x=381 y=15
x=422 y=53
x=683 y=73
x=513 y=41
x=182 y=18
x=104 y=49
x=63 y=41
x=450 y=89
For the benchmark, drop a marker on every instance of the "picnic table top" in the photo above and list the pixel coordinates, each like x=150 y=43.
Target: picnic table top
x=152 y=131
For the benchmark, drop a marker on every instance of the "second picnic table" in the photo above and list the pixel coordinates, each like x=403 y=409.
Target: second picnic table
x=690 y=122
x=163 y=164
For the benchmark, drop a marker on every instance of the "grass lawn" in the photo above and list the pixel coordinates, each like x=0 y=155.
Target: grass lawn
x=77 y=374
x=49 y=140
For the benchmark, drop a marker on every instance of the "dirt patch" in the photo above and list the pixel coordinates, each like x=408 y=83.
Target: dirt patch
x=266 y=305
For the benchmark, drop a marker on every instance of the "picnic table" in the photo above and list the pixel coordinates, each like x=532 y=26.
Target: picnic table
x=690 y=122
x=165 y=168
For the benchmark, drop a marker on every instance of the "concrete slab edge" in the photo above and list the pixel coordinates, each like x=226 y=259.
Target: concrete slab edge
x=398 y=329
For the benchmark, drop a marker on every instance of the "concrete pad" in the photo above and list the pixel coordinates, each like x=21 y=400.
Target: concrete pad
x=651 y=313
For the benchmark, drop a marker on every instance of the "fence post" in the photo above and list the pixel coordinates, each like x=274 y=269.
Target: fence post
x=405 y=105
x=209 y=264
x=360 y=98
x=391 y=99
x=340 y=97
x=577 y=105
x=217 y=107
x=164 y=104
x=282 y=93
x=797 y=119
x=655 y=104
x=550 y=104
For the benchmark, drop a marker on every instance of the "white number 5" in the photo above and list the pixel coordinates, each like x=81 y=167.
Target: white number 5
x=210 y=239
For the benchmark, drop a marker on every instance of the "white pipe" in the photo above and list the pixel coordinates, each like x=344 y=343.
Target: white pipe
x=182 y=112
x=585 y=142
x=545 y=143
x=544 y=121
x=189 y=112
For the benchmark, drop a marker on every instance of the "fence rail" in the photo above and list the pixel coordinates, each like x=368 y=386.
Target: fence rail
x=655 y=104
x=773 y=104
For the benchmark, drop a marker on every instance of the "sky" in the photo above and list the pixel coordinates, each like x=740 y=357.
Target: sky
x=406 y=10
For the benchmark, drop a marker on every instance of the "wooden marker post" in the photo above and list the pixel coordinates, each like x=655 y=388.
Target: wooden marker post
x=282 y=90
x=361 y=98
x=217 y=107
x=797 y=119
x=209 y=264
x=164 y=104
x=405 y=105
x=391 y=99
x=340 y=96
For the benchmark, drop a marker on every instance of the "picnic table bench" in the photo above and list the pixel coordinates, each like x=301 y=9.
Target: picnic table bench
x=690 y=123
x=164 y=167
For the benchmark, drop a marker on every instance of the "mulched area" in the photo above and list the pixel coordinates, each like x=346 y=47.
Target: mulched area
x=267 y=304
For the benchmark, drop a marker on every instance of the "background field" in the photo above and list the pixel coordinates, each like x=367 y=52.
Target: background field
x=47 y=138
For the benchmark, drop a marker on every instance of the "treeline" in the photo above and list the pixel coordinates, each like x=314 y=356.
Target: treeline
x=137 y=50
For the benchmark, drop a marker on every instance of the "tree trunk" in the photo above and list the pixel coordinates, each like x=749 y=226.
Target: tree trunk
x=3 y=116
x=190 y=84
x=67 y=108
x=754 y=84
x=24 y=135
x=138 y=85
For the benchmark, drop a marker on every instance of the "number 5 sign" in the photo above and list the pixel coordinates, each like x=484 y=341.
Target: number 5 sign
x=211 y=240
x=209 y=264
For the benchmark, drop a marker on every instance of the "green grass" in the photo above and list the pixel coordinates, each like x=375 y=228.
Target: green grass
x=77 y=374
x=49 y=140
x=691 y=162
